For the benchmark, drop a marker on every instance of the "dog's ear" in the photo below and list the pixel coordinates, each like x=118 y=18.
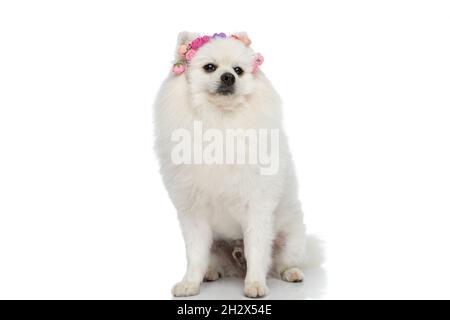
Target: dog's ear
x=184 y=37
x=243 y=36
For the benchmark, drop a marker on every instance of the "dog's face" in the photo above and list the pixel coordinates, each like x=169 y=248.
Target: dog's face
x=221 y=70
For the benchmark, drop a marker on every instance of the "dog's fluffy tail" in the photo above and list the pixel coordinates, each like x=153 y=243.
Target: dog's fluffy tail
x=315 y=255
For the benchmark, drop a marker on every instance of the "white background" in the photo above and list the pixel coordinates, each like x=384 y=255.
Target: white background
x=365 y=84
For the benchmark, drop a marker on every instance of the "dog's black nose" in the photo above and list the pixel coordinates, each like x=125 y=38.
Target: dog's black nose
x=227 y=79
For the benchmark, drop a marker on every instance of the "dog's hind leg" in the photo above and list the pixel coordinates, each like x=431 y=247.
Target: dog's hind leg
x=289 y=251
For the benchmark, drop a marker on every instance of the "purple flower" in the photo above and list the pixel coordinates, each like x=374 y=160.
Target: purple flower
x=219 y=35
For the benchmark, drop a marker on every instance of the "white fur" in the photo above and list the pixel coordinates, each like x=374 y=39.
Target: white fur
x=229 y=201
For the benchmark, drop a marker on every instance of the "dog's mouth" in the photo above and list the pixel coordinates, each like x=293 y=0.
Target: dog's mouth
x=225 y=91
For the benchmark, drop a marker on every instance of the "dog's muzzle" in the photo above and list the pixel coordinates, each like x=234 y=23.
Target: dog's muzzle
x=227 y=81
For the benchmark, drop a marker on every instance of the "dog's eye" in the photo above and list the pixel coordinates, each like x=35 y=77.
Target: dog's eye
x=209 y=67
x=238 y=70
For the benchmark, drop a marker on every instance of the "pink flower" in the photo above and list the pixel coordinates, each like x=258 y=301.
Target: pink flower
x=198 y=42
x=182 y=50
x=190 y=54
x=179 y=68
x=259 y=59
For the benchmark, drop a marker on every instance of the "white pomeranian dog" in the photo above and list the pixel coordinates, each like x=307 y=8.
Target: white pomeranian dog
x=236 y=197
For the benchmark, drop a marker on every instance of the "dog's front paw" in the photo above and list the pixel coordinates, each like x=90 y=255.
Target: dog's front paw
x=185 y=289
x=256 y=289
x=292 y=275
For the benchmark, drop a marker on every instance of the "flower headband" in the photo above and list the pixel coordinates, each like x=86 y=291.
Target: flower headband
x=188 y=51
